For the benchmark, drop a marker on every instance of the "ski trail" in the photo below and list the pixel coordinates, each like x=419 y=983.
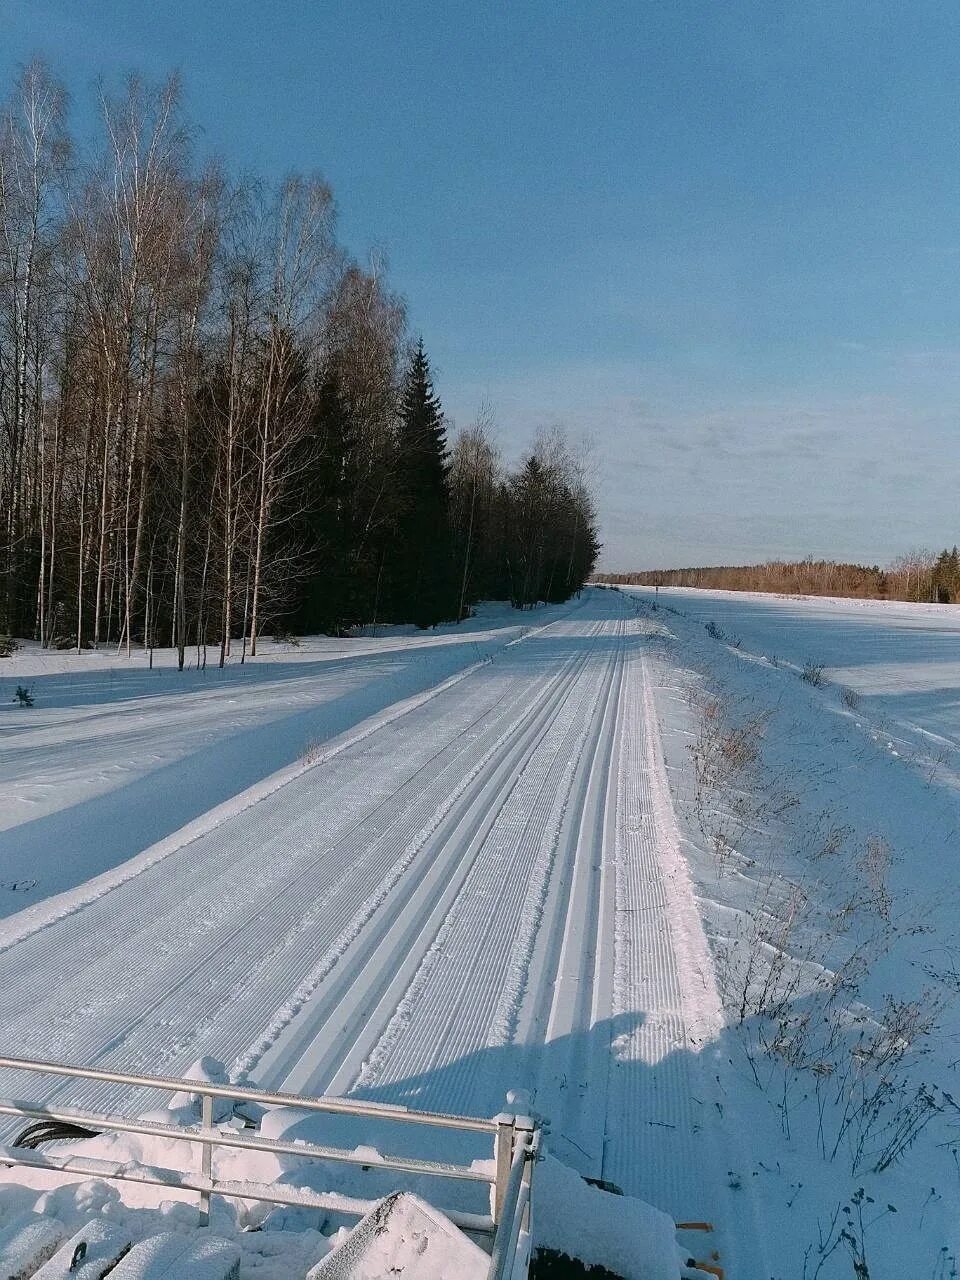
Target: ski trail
x=219 y=947
x=463 y=997
x=482 y=888
x=575 y=988
x=33 y=919
x=664 y=990
x=339 y=1020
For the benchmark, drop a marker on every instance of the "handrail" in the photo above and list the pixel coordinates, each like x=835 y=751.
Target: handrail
x=299 y=1197
x=217 y=1138
x=243 y=1093
x=516 y=1147
x=515 y=1205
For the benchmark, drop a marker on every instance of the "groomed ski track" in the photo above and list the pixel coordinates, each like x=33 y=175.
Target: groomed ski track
x=482 y=891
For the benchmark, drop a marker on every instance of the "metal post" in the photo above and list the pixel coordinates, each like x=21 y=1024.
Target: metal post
x=507 y=1232
x=503 y=1155
x=206 y=1155
x=525 y=1132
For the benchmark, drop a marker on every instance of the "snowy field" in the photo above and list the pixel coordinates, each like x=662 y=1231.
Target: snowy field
x=821 y=824
x=703 y=910
x=903 y=660
x=433 y=902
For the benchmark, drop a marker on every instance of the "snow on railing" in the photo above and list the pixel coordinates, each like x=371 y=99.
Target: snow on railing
x=515 y=1141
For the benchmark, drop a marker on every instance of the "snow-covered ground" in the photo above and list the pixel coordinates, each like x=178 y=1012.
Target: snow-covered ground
x=431 y=905
x=821 y=824
x=903 y=660
x=115 y=755
x=430 y=868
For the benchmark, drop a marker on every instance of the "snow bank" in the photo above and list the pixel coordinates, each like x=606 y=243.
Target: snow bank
x=404 y=1236
x=626 y=1236
x=205 y=1070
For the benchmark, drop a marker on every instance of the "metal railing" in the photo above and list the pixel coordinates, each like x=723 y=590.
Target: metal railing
x=515 y=1208
x=515 y=1149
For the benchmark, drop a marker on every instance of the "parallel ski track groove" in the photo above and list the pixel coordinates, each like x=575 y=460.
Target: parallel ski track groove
x=655 y=1102
x=574 y=1006
x=452 y=837
x=363 y=1032
x=467 y=999
x=152 y=1035
x=228 y=872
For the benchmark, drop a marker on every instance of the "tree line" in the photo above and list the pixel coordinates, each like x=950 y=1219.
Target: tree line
x=212 y=420
x=920 y=575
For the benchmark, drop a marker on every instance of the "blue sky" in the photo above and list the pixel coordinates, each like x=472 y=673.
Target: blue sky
x=721 y=239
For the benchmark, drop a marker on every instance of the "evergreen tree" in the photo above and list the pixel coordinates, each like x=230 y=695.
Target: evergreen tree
x=527 y=497
x=549 y=527
x=324 y=603
x=946 y=577
x=422 y=577
x=231 y=445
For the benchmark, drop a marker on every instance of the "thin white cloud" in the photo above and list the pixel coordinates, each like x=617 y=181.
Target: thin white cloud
x=751 y=477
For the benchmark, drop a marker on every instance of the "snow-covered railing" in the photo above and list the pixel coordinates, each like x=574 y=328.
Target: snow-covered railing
x=515 y=1147
x=514 y=1211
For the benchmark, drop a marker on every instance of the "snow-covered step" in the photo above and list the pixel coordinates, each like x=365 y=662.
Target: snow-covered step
x=89 y=1255
x=407 y=1238
x=174 y=1257
x=26 y=1242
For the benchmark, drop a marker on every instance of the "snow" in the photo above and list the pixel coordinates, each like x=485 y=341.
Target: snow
x=500 y=867
x=623 y=1234
x=115 y=757
x=847 y=824
x=172 y=1254
x=25 y=1243
x=88 y=1254
x=205 y=1070
x=903 y=660
x=403 y=1236
x=405 y=1232
x=80 y=1208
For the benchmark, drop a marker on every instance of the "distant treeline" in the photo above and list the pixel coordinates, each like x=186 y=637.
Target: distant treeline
x=919 y=575
x=213 y=422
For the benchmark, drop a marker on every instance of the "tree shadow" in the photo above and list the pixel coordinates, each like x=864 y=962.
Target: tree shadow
x=60 y=850
x=635 y=1124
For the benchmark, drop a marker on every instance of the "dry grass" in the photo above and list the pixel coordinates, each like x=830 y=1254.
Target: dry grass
x=791 y=971
x=850 y=699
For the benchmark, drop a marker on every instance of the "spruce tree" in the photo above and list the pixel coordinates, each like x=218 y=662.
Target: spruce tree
x=422 y=576
x=323 y=602
x=946 y=576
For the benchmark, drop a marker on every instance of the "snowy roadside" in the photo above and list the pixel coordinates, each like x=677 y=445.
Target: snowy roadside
x=895 y=665
x=824 y=864
x=113 y=757
x=431 y=867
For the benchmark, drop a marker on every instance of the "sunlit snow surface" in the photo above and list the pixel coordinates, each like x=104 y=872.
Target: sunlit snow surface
x=903 y=659
x=866 y=760
x=429 y=867
x=395 y=867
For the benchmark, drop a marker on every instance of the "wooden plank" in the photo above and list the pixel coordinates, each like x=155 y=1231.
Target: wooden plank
x=89 y=1255
x=26 y=1242
x=185 y=1257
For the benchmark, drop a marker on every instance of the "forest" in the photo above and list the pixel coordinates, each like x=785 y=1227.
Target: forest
x=214 y=423
x=921 y=576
